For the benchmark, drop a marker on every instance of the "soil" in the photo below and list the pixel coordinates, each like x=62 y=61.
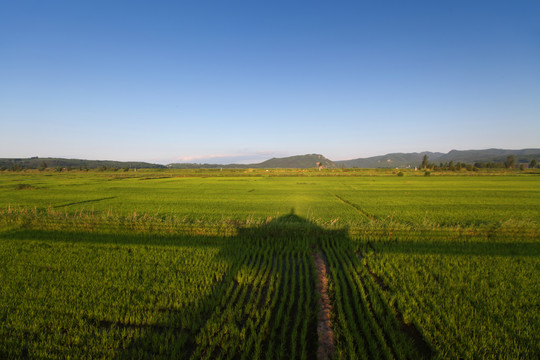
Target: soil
x=324 y=324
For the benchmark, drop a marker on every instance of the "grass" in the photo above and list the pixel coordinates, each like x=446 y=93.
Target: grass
x=210 y=264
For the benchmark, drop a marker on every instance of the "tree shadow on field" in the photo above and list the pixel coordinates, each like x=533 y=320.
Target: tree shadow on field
x=208 y=328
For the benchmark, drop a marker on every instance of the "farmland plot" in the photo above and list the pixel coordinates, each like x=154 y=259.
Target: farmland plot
x=92 y=265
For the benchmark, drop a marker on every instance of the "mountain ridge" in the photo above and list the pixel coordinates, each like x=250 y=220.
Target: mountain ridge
x=391 y=160
x=411 y=160
x=289 y=162
x=50 y=162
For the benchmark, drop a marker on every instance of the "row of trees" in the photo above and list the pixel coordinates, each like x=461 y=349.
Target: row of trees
x=509 y=163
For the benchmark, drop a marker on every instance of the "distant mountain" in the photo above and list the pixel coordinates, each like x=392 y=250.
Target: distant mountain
x=404 y=160
x=37 y=162
x=291 y=162
x=394 y=160
x=299 y=161
x=401 y=160
x=489 y=155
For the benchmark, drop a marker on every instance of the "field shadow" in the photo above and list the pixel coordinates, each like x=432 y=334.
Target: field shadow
x=245 y=253
x=169 y=337
x=286 y=234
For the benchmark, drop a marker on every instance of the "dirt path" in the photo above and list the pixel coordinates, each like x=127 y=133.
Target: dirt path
x=324 y=325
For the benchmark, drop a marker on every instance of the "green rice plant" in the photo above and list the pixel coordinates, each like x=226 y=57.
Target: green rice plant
x=172 y=264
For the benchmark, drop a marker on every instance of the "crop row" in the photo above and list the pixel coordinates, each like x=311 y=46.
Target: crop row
x=366 y=326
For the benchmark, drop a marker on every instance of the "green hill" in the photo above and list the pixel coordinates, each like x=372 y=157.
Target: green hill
x=291 y=162
x=299 y=161
x=394 y=160
x=37 y=162
x=405 y=160
x=489 y=155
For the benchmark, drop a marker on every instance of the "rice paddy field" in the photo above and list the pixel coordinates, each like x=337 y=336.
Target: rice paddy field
x=219 y=264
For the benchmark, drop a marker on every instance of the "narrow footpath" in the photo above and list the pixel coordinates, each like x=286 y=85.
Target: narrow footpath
x=324 y=325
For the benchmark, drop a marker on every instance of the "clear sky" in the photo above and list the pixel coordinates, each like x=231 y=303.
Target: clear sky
x=242 y=81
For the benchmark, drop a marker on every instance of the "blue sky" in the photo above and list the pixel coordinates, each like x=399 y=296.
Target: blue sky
x=243 y=81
